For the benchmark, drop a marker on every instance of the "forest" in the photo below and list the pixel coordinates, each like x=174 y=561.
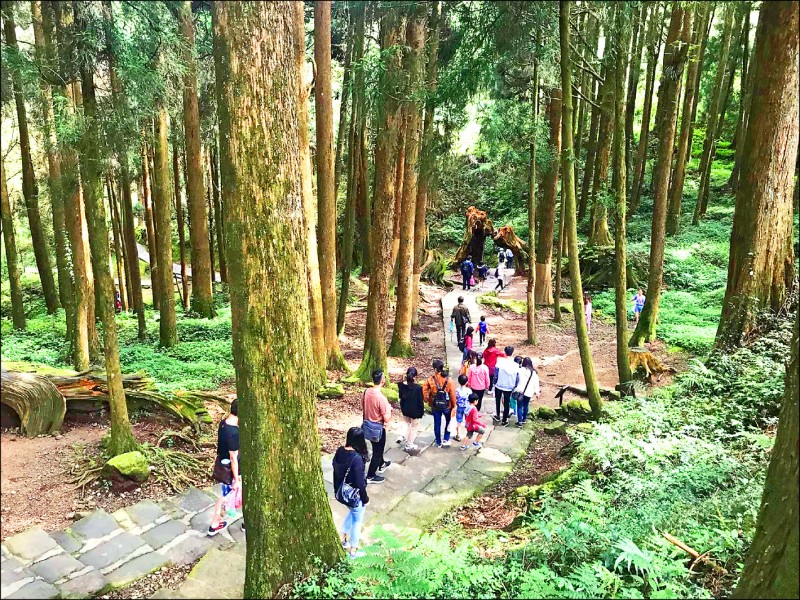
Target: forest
x=280 y=208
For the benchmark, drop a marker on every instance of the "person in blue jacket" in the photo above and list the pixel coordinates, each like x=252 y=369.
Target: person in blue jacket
x=467 y=269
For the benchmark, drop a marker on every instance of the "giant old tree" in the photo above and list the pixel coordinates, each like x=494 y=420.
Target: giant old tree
x=761 y=256
x=262 y=47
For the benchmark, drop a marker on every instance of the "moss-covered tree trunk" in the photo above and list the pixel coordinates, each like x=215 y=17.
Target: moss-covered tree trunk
x=559 y=261
x=533 y=276
x=176 y=180
x=591 y=29
x=386 y=148
x=598 y=224
x=771 y=567
x=714 y=105
x=745 y=94
x=162 y=209
x=761 y=256
x=571 y=226
x=591 y=155
x=653 y=48
x=122 y=439
x=619 y=184
x=116 y=240
x=262 y=46
x=406 y=290
x=343 y=128
x=17 y=307
x=685 y=142
x=30 y=189
x=219 y=222
x=675 y=51
x=547 y=213
x=399 y=179
x=150 y=225
x=326 y=190
x=710 y=9
x=640 y=37
x=425 y=181
x=363 y=203
x=129 y=237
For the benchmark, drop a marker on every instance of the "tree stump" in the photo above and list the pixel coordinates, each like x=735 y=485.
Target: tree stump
x=35 y=399
x=642 y=357
x=478 y=228
x=506 y=238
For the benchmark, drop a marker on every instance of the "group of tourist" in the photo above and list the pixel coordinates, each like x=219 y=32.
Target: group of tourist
x=505 y=261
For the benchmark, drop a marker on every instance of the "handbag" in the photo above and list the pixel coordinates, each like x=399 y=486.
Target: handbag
x=472 y=281
x=517 y=396
x=222 y=473
x=347 y=494
x=372 y=430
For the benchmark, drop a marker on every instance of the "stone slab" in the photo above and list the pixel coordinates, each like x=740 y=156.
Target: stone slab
x=68 y=542
x=86 y=585
x=112 y=551
x=135 y=568
x=205 y=576
x=193 y=500
x=235 y=530
x=144 y=513
x=166 y=594
x=201 y=521
x=95 y=525
x=188 y=550
x=35 y=590
x=30 y=544
x=56 y=567
x=162 y=534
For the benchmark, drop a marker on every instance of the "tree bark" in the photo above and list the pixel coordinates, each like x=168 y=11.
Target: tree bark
x=210 y=213
x=547 y=214
x=591 y=154
x=122 y=439
x=571 y=228
x=399 y=179
x=386 y=150
x=167 y=325
x=633 y=84
x=147 y=201
x=341 y=134
x=30 y=189
x=533 y=276
x=218 y=218
x=761 y=256
x=129 y=237
x=771 y=567
x=675 y=52
x=559 y=259
x=598 y=226
x=176 y=178
x=653 y=48
x=414 y=66
x=263 y=44
x=685 y=142
x=587 y=85
x=326 y=190
x=710 y=141
x=116 y=239
x=363 y=204
x=17 y=307
x=709 y=19
x=745 y=94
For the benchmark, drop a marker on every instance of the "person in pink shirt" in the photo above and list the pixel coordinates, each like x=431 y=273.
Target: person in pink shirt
x=478 y=379
x=468 y=342
x=490 y=356
x=377 y=411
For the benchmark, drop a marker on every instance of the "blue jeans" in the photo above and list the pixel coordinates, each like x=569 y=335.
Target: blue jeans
x=352 y=525
x=522 y=409
x=437 y=421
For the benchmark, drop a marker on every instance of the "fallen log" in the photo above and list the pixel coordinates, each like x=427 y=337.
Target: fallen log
x=694 y=553
x=35 y=400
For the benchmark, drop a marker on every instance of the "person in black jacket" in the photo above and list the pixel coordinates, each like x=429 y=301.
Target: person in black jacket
x=413 y=408
x=348 y=467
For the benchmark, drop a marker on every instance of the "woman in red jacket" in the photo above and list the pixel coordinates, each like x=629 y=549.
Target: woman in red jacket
x=490 y=356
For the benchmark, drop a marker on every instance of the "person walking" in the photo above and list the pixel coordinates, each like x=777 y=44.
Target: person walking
x=506 y=378
x=501 y=256
x=483 y=329
x=377 y=415
x=587 y=311
x=483 y=272
x=638 y=304
x=439 y=392
x=472 y=418
x=463 y=392
x=468 y=342
x=509 y=259
x=412 y=406
x=460 y=316
x=351 y=487
x=498 y=273
x=226 y=466
x=467 y=269
x=490 y=356
x=527 y=388
x=478 y=379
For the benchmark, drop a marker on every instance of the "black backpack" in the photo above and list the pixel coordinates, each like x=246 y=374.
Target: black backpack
x=441 y=401
x=465 y=267
x=462 y=344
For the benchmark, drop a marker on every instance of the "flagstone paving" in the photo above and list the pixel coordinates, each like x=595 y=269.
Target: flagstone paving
x=105 y=551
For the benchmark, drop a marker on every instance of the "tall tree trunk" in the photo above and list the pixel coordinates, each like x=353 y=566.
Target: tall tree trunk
x=571 y=227
x=218 y=219
x=116 y=238
x=17 y=307
x=710 y=9
x=341 y=133
x=771 y=567
x=745 y=93
x=619 y=183
x=547 y=214
x=386 y=149
x=326 y=190
x=533 y=276
x=167 y=326
x=122 y=439
x=591 y=154
x=598 y=226
x=653 y=49
x=363 y=204
x=685 y=142
x=349 y=229
x=559 y=259
x=399 y=179
x=211 y=220
x=150 y=224
x=425 y=182
x=761 y=256
x=633 y=83
x=129 y=237
x=675 y=51
x=260 y=101
x=30 y=189
x=414 y=66
x=587 y=86
x=42 y=32
x=202 y=290
x=710 y=141
x=176 y=178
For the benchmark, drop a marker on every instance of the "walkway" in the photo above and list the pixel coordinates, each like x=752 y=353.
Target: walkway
x=103 y=551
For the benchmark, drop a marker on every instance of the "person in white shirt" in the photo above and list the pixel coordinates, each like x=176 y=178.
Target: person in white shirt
x=506 y=377
x=527 y=388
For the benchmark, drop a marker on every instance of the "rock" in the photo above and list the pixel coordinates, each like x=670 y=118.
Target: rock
x=35 y=589
x=545 y=412
x=30 y=544
x=188 y=550
x=578 y=408
x=84 y=586
x=66 y=541
x=112 y=551
x=164 y=533
x=131 y=465
x=56 y=567
x=331 y=390
x=94 y=525
x=134 y=569
x=584 y=427
x=556 y=428
x=144 y=513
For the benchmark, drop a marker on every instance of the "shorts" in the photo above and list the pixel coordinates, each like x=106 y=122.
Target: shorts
x=479 y=431
x=226 y=489
x=637 y=309
x=460 y=414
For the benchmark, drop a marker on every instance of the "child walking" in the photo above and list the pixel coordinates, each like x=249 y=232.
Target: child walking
x=638 y=304
x=483 y=329
x=413 y=408
x=587 y=311
x=468 y=341
x=463 y=392
x=474 y=423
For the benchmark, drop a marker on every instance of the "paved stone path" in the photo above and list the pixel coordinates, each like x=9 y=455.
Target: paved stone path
x=102 y=551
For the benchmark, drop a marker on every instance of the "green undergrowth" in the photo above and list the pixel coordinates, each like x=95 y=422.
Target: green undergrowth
x=492 y=299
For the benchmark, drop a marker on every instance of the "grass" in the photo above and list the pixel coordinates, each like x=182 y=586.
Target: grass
x=491 y=299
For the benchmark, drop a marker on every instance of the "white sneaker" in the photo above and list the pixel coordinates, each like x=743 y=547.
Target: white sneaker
x=446 y=444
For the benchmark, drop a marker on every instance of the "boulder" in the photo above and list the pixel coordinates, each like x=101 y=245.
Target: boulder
x=545 y=412
x=130 y=465
x=556 y=428
x=331 y=390
x=585 y=427
x=579 y=409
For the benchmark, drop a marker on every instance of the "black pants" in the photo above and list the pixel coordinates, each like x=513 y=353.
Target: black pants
x=461 y=329
x=509 y=263
x=377 y=454
x=480 y=394
x=482 y=337
x=499 y=284
x=465 y=281
x=505 y=395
